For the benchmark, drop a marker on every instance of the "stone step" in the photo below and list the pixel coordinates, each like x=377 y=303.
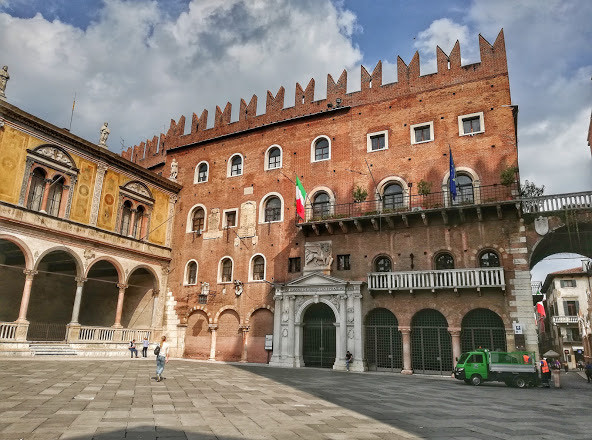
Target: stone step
x=48 y=349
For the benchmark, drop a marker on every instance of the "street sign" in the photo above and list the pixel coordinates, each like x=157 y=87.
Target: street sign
x=518 y=328
x=269 y=342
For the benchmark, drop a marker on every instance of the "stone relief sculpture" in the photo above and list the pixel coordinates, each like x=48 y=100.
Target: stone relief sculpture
x=55 y=154
x=205 y=288
x=4 y=77
x=104 y=135
x=174 y=170
x=238 y=287
x=317 y=255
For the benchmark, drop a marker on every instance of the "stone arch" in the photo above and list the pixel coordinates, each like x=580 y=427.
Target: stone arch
x=229 y=337
x=74 y=255
x=300 y=313
x=260 y=322
x=149 y=269
x=482 y=327
x=224 y=309
x=139 y=188
x=456 y=316
x=385 y=182
x=22 y=246
x=311 y=196
x=431 y=343
x=383 y=347
x=477 y=251
x=140 y=297
x=113 y=261
x=197 y=309
x=197 y=334
x=557 y=241
x=49 y=150
x=254 y=309
x=462 y=170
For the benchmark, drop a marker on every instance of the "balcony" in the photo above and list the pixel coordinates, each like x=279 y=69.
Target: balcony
x=565 y=320
x=450 y=279
x=557 y=202
x=379 y=213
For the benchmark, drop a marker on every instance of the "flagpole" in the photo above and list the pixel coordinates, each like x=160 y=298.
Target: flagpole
x=72 y=114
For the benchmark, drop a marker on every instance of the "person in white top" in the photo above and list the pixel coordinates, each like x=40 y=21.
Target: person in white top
x=162 y=358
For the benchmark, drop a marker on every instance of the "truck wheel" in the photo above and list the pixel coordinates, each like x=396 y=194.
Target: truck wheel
x=520 y=382
x=476 y=380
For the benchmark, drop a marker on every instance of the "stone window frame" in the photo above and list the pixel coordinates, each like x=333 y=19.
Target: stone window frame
x=266 y=163
x=440 y=253
x=313 y=148
x=421 y=124
x=375 y=261
x=369 y=137
x=251 y=271
x=138 y=194
x=461 y=118
x=54 y=161
x=262 y=208
x=476 y=185
x=491 y=251
x=308 y=205
x=224 y=212
x=229 y=166
x=294 y=260
x=386 y=182
x=196 y=172
x=189 y=224
x=220 y=269
x=186 y=274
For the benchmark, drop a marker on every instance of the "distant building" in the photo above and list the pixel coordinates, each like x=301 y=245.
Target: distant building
x=568 y=303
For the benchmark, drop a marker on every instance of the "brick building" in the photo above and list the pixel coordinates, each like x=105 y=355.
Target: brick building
x=386 y=263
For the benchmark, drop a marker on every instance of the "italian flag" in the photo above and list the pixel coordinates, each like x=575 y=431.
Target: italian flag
x=300 y=198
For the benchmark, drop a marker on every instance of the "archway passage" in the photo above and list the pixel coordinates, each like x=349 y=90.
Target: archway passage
x=138 y=304
x=12 y=280
x=52 y=297
x=431 y=345
x=383 y=346
x=574 y=237
x=319 y=336
x=99 y=298
x=197 y=336
x=229 y=340
x=482 y=328
x=260 y=324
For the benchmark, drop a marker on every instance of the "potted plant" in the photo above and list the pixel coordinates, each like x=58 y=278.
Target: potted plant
x=424 y=188
x=359 y=194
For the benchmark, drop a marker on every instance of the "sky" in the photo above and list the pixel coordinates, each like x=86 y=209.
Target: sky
x=138 y=63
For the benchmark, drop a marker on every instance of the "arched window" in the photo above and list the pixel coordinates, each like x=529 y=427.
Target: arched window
x=198 y=220
x=393 y=196
x=320 y=205
x=36 y=190
x=464 y=190
x=54 y=199
x=444 y=261
x=258 y=268
x=273 y=209
x=226 y=266
x=191 y=273
x=383 y=264
x=236 y=165
x=202 y=173
x=322 y=149
x=138 y=219
x=274 y=158
x=489 y=259
x=126 y=217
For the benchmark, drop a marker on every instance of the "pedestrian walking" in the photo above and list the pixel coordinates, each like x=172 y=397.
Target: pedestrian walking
x=162 y=357
x=589 y=370
x=348 y=359
x=133 y=349
x=145 y=345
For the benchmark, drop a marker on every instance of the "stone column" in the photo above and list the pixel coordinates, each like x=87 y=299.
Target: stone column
x=245 y=330
x=26 y=182
x=45 y=196
x=29 y=275
x=73 y=180
x=359 y=363
x=456 y=349
x=169 y=236
x=340 y=358
x=291 y=329
x=96 y=201
x=213 y=328
x=132 y=224
x=77 y=299
x=277 y=337
x=406 y=336
x=154 y=308
x=119 y=309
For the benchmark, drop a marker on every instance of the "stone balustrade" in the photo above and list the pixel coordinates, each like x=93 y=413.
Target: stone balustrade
x=565 y=320
x=557 y=202
x=8 y=331
x=472 y=278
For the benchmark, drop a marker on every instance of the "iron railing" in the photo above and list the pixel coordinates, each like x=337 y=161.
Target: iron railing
x=438 y=279
x=8 y=331
x=315 y=212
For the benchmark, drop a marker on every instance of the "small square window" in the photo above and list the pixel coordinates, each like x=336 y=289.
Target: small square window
x=343 y=262
x=471 y=124
x=230 y=219
x=294 y=265
x=377 y=141
x=567 y=283
x=421 y=133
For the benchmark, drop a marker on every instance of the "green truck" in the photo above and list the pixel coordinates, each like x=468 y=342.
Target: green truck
x=517 y=368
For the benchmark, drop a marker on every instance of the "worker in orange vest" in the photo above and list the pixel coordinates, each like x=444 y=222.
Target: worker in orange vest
x=526 y=358
x=545 y=372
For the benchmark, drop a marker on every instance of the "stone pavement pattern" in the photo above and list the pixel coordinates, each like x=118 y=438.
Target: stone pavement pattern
x=119 y=399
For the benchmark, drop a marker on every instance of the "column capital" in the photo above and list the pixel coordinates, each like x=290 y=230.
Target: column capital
x=30 y=273
x=80 y=281
x=213 y=327
x=405 y=330
x=244 y=328
x=292 y=297
x=122 y=286
x=454 y=331
x=102 y=167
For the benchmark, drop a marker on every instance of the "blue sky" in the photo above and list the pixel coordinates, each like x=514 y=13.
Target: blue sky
x=139 y=63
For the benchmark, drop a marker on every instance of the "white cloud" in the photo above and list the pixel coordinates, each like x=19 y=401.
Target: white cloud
x=137 y=67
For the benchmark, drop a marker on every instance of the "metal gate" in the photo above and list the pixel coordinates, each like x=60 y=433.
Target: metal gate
x=482 y=328
x=383 y=346
x=319 y=336
x=46 y=331
x=431 y=344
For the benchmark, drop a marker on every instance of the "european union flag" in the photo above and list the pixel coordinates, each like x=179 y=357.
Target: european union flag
x=452 y=179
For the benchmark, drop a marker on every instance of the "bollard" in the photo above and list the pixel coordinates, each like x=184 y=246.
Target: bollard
x=556 y=378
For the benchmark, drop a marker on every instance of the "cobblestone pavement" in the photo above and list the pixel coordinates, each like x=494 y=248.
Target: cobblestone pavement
x=116 y=399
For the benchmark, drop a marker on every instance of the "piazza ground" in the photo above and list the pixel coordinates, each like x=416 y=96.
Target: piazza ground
x=116 y=399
